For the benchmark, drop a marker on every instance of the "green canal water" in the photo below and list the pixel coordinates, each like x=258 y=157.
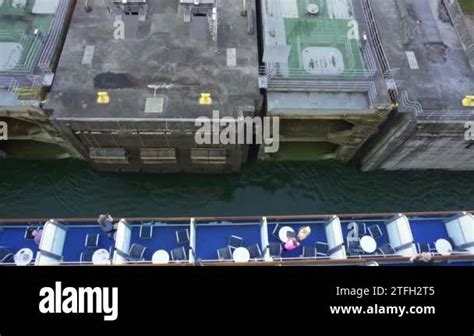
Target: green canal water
x=71 y=189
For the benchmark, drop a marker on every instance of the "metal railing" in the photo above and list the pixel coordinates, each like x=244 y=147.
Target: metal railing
x=424 y=115
x=277 y=71
x=55 y=32
x=412 y=106
x=22 y=85
x=354 y=259
x=457 y=17
x=368 y=87
x=8 y=83
x=38 y=52
x=32 y=45
x=375 y=38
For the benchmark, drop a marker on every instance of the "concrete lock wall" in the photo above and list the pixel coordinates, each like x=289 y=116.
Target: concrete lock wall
x=135 y=137
x=434 y=146
x=405 y=144
x=31 y=135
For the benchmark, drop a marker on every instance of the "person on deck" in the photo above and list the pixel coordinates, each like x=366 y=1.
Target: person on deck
x=37 y=234
x=106 y=222
x=291 y=244
x=423 y=259
x=303 y=233
x=294 y=242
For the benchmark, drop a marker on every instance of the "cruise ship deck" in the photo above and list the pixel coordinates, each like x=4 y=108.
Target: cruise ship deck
x=334 y=240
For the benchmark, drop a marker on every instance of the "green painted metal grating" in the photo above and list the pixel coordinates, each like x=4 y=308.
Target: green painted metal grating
x=328 y=29
x=30 y=31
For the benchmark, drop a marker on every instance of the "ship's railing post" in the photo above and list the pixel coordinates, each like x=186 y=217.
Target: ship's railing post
x=264 y=239
x=335 y=239
x=192 y=240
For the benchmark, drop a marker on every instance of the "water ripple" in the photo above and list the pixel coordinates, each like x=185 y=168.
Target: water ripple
x=72 y=189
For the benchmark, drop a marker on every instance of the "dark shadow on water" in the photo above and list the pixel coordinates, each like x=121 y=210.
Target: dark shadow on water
x=71 y=189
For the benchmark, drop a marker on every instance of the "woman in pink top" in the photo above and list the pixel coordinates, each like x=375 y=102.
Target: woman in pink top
x=292 y=244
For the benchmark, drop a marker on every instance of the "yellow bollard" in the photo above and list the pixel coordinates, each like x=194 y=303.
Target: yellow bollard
x=103 y=97
x=468 y=101
x=205 y=99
